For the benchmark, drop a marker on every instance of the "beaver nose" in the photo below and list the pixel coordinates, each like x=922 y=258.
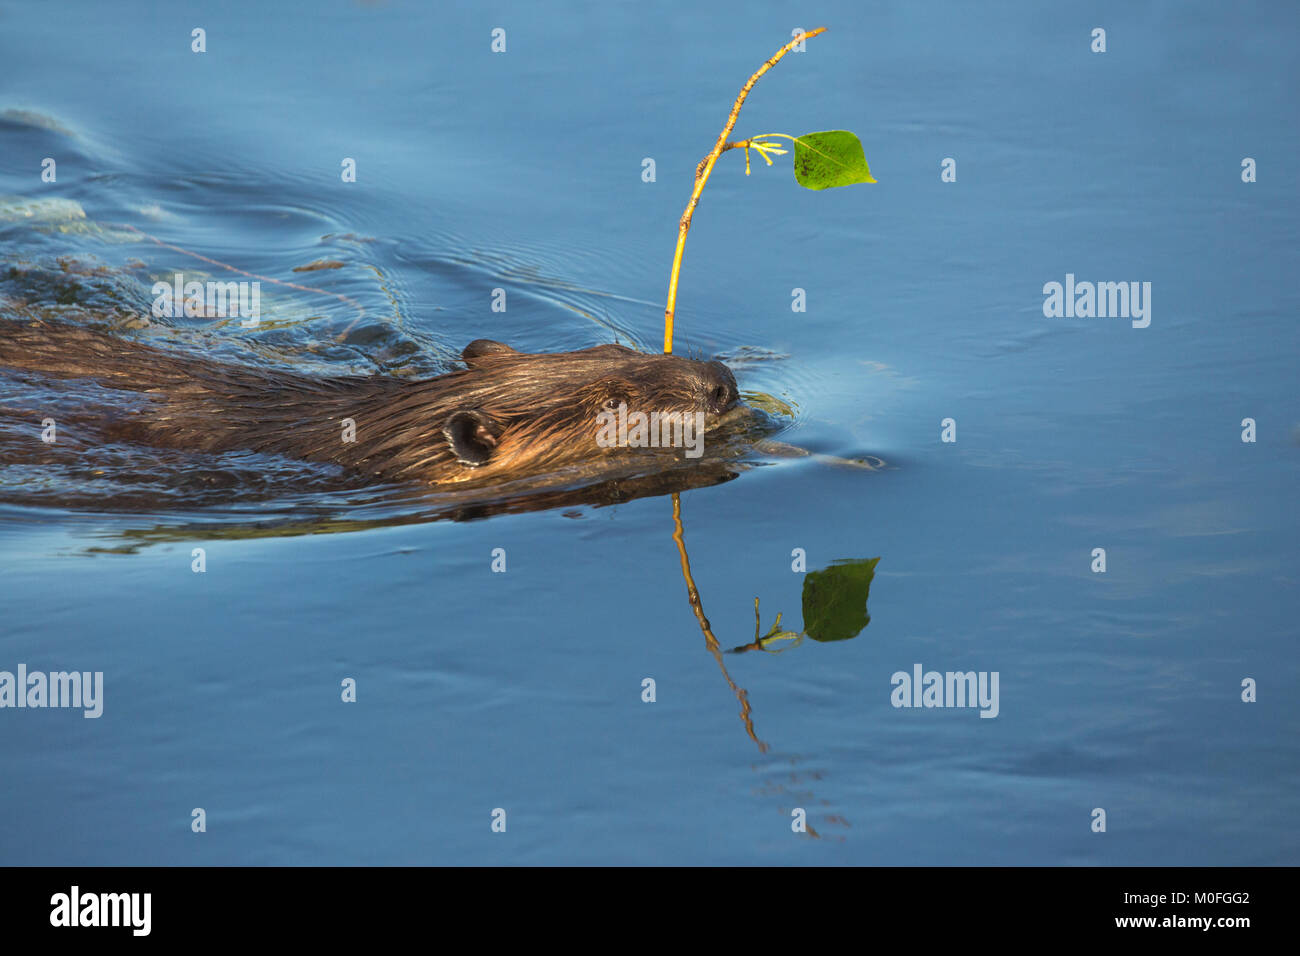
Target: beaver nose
x=720 y=387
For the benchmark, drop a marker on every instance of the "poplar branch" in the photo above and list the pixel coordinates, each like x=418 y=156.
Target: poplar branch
x=702 y=172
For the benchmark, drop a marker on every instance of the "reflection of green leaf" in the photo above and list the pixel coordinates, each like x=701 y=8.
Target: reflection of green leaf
x=835 y=600
x=831 y=158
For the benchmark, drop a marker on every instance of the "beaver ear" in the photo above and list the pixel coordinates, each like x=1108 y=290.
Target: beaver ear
x=472 y=436
x=480 y=347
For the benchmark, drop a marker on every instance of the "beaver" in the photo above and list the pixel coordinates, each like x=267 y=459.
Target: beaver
x=506 y=414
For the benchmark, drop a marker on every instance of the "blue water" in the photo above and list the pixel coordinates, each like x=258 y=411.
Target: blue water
x=522 y=690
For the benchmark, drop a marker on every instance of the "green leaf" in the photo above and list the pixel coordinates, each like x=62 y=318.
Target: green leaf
x=832 y=158
x=835 y=600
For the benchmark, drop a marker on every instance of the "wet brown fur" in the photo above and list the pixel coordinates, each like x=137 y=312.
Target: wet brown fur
x=527 y=413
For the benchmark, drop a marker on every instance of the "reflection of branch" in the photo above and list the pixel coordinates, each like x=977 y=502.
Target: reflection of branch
x=761 y=641
x=710 y=641
x=805 y=797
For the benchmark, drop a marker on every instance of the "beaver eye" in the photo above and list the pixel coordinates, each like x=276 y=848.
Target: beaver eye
x=720 y=395
x=612 y=403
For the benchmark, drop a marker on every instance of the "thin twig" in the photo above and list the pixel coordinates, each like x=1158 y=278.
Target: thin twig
x=702 y=172
x=292 y=285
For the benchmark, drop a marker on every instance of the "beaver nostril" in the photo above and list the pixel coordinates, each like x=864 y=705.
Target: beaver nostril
x=719 y=391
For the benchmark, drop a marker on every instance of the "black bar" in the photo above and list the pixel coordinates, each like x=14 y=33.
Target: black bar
x=336 y=904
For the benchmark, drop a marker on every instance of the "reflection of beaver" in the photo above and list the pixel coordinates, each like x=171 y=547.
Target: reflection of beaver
x=507 y=414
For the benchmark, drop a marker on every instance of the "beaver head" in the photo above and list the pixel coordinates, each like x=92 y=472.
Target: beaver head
x=514 y=413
